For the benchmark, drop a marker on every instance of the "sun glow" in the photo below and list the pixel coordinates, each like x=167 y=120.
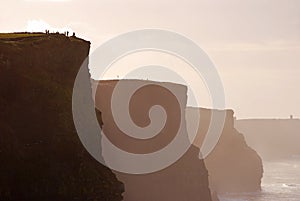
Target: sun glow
x=42 y=26
x=37 y=26
x=47 y=0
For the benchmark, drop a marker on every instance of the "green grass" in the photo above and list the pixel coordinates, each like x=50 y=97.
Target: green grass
x=18 y=35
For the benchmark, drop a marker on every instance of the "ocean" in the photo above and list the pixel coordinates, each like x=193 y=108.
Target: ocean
x=281 y=182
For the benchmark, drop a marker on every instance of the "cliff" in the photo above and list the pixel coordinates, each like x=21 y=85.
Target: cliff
x=273 y=139
x=41 y=155
x=232 y=165
x=187 y=178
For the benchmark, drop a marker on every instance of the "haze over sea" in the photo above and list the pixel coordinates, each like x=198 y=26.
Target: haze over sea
x=281 y=182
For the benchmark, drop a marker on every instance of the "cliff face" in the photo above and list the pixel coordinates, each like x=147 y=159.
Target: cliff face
x=187 y=178
x=232 y=165
x=273 y=139
x=41 y=155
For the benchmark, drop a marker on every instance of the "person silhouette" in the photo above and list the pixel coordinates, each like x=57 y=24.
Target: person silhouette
x=67 y=33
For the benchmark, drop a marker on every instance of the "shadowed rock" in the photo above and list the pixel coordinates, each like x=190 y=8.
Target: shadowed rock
x=232 y=165
x=41 y=155
x=187 y=178
x=273 y=139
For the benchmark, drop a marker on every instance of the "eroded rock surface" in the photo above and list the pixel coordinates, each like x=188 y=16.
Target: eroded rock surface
x=41 y=155
x=232 y=165
x=187 y=178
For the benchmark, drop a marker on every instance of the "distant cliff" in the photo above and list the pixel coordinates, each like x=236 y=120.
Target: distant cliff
x=273 y=139
x=41 y=156
x=232 y=165
x=187 y=178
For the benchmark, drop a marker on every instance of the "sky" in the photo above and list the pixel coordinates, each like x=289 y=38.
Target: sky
x=254 y=44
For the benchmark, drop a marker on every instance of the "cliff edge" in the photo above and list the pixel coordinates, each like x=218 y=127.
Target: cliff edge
x=41 y=155
x=186 y=178
x=232 y=165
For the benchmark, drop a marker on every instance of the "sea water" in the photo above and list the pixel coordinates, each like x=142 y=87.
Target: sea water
x=281 y=182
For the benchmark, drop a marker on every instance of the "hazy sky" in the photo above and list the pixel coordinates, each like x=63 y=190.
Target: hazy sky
x=255 y=44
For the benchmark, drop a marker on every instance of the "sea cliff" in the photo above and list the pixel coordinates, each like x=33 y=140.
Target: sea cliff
x=41 y=155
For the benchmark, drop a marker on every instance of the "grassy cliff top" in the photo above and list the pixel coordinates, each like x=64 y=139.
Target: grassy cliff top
x=20 y=36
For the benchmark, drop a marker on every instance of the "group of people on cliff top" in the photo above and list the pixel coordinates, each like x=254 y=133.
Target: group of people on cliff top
x=66 y=33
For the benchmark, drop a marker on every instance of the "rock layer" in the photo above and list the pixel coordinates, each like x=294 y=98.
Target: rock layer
x=41 y=155
x=273 y=139
x=232 y=165
x=184 y=180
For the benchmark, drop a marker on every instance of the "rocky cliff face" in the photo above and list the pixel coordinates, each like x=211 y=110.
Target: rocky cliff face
x=273 y=139
x=232 y=165
x=41 y=155
x=187 y=178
